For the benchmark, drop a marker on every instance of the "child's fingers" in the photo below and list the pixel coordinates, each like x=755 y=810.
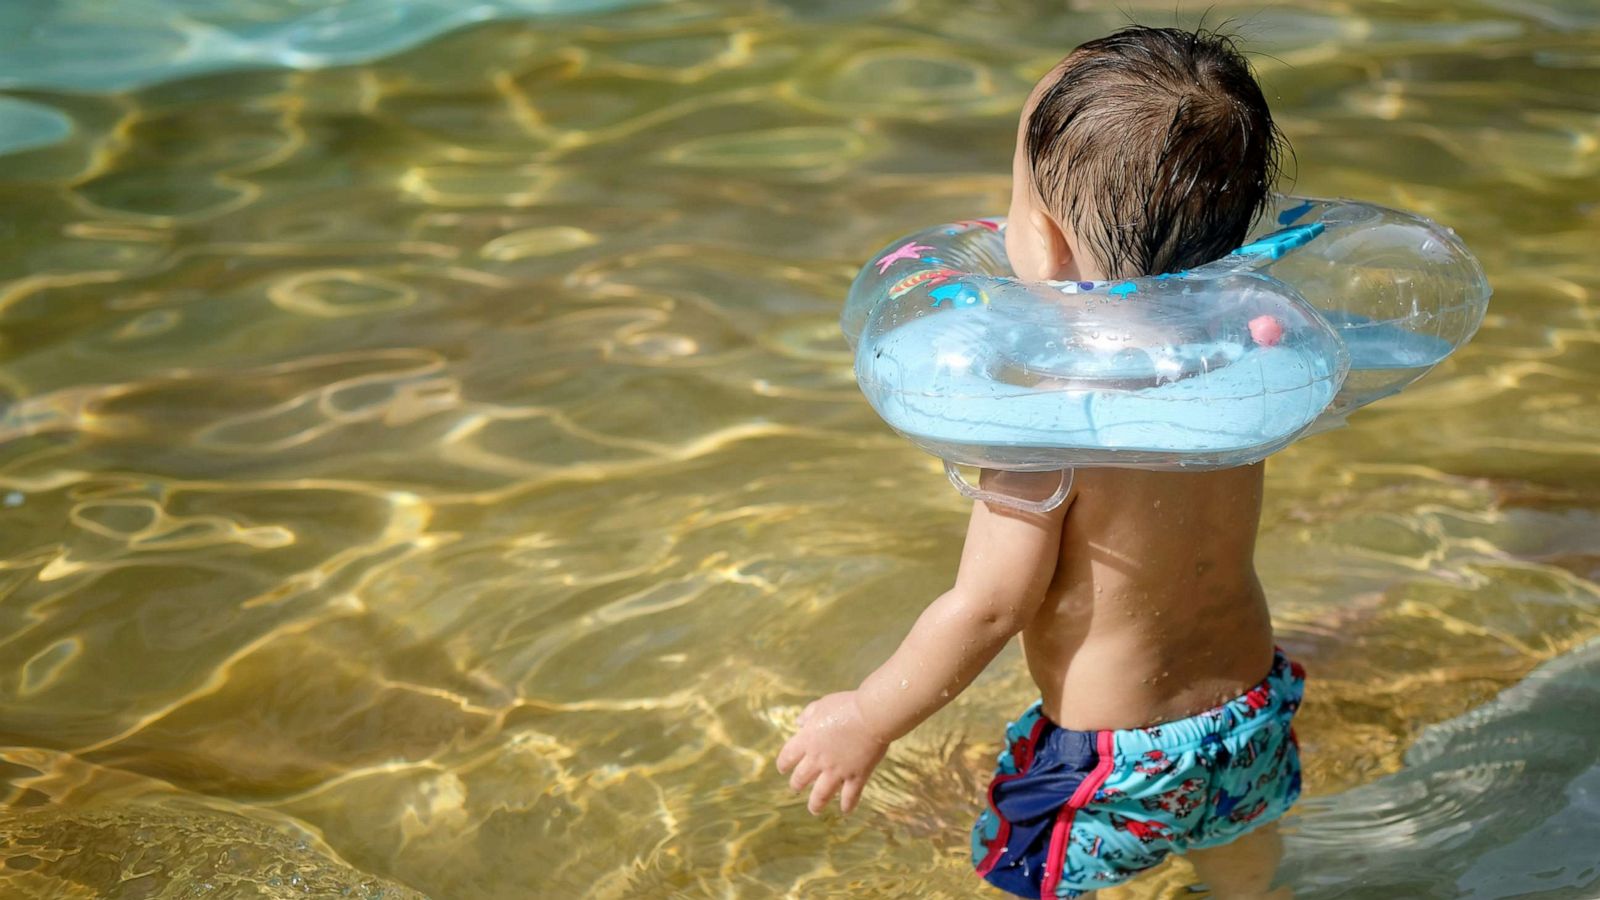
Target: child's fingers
x=789 y=755
x=806 y=713
x=825 y=788
x=803 y=775
x=850 y=795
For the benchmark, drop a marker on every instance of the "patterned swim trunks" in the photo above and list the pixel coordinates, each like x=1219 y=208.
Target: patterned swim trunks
x=1074 y=811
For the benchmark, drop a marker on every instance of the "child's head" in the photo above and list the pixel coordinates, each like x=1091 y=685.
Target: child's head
x=1151 y=150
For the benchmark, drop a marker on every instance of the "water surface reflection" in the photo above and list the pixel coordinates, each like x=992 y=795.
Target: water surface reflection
x=441 y=472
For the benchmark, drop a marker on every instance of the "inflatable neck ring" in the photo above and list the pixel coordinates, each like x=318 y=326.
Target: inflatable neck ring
x=1331 y=305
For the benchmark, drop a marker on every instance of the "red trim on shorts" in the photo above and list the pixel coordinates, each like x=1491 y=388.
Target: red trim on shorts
x=1001 y=836
x=1105 y=746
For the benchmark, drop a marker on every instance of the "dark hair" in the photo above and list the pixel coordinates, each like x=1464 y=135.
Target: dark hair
x=1156 y=147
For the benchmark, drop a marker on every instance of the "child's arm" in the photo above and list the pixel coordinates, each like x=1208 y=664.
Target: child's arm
x=1006 y=567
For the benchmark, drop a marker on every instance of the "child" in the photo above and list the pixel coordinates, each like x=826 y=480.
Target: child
x=1164 y=723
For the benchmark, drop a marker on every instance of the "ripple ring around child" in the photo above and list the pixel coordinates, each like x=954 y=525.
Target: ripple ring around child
x=1331 y=305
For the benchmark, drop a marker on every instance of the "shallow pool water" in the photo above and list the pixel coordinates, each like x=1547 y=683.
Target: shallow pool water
x=443 y=475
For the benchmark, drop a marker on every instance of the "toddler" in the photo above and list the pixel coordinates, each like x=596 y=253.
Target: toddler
x=1164 y=719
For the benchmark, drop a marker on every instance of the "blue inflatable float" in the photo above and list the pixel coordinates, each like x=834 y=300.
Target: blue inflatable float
x=1331 y=305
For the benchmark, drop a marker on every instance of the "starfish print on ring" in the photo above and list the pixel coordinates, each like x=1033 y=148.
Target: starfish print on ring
x=912 y=250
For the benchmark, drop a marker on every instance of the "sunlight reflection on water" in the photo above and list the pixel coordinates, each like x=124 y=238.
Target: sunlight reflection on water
x=443 y=471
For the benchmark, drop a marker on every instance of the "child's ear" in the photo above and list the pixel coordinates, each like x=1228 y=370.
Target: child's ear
x=1055 y=255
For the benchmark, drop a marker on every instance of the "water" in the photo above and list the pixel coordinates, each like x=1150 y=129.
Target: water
x=444 y=474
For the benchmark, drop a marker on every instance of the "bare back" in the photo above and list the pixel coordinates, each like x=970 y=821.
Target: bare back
x=1154 y=612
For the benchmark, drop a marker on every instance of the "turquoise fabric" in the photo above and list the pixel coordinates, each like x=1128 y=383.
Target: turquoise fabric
x=1194 y=783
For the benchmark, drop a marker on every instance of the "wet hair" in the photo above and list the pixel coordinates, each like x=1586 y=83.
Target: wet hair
x=1156 y=147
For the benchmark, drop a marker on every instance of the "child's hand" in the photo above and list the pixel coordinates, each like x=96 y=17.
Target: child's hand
x=834 y=749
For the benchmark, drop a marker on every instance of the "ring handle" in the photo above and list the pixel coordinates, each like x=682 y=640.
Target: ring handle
x=974 y=492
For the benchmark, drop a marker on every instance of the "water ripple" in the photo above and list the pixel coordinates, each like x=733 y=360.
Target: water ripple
x=446 y=469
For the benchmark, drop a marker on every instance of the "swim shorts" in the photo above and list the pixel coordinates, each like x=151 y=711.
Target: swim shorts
x=1074 y=811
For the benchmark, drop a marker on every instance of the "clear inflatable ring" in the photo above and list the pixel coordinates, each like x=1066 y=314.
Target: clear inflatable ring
x=1331 y=305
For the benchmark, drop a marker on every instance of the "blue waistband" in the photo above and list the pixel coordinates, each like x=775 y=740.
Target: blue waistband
x=1271 y=701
